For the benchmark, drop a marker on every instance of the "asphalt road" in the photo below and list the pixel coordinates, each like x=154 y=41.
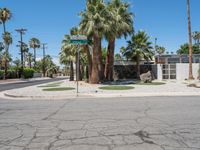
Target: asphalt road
x=154 y=123
x=10 y=86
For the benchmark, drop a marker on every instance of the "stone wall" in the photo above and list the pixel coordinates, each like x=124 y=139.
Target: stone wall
x=130 y=71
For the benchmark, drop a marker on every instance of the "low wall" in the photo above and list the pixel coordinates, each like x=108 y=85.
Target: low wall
x=130 y=71
x=37 y=75
x=182 y=70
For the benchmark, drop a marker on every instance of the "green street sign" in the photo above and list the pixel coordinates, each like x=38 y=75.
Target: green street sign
x=78 y=39
x=73 y=41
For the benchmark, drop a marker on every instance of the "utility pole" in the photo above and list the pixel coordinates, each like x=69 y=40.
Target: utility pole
x=21 y=32
x=155 y=45
x=43 y=47
x=190 y=41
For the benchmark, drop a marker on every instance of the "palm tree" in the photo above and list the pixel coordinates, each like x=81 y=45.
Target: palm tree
x=7 y=41
x=5 y=15
x=121 y=23
x=30 y=59
x=68 y=54
x=92 y=25
x=160 y=50
x=196 y=37
x=190 y=41
x=34 y=43
x=25 y=50
x=17 y=66
x=139 y=48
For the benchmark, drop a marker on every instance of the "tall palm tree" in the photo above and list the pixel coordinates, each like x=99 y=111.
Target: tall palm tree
x=196 y=37
x=139 y=48
x=30 y=59
x=7 y=38
x=190 y=41
x=68 y=54
x=160 y=50
x=121 y=23
x=34 y=43
x=92 y=25
x=25 y=50
x=5 y=15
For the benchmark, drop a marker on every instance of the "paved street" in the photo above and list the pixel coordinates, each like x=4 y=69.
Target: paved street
x=22 y=84
x=154 y=123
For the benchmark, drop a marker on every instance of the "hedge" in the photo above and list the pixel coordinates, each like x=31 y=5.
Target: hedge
x=28 y=73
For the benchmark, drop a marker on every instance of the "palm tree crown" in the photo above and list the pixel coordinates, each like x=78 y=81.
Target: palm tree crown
x=139 y=48
x=5 y=15
x=34 y=43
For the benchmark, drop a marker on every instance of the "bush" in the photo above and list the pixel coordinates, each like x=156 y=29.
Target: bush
x=11 y=74
x=28 y=73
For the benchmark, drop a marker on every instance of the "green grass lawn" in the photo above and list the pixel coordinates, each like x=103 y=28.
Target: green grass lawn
x=152 y=83
x=59 y=89
x=116 y=87
x=56 y=84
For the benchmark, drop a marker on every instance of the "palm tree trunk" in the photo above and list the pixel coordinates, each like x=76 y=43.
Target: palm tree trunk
x=190 y=41
x=34 y=57
x=100 y=65
x=95 y=72
x=89 y=57
x=106 y=71
x=6 y=62
x=111 y=65
x=71 y=71
x=138 y=66
x=30 y=63
x=5 y=69
x=110 y=60
x=4 y=27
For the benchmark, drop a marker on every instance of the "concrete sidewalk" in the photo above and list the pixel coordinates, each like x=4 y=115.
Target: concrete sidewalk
x=171 y=88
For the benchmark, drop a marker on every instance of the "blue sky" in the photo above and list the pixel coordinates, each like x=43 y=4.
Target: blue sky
x=49 y=20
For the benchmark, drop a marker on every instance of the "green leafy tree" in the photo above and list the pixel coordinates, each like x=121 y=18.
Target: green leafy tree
x=139 y=47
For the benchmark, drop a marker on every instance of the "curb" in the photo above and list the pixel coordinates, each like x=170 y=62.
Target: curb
x=89 y=96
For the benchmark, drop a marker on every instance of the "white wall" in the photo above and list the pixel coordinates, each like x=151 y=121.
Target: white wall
x=37 y=75
x=159 y=71
x=182 y=70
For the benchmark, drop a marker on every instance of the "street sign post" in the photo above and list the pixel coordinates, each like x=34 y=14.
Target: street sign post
x=78 y=40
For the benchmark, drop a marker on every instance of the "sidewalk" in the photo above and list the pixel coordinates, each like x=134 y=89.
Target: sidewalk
x=171 y=88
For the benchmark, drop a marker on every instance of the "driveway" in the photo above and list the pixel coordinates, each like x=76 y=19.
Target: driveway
x=154 y=123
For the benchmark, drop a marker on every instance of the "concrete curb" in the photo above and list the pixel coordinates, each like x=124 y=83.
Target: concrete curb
x=89 y=96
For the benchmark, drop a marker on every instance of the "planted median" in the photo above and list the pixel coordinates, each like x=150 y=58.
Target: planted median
x=59 y=89
x=116 y=87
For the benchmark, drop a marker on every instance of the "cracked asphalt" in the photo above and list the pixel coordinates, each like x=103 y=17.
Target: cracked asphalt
x=150 y=123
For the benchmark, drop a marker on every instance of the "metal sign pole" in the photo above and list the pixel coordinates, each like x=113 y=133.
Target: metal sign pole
x=78 y=40
x=77 y=74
